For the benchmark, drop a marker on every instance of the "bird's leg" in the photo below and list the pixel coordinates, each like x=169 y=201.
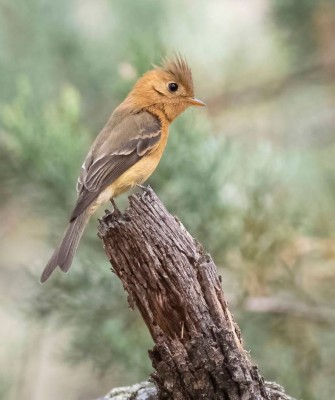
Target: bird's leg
x=116 y=216
x=115 y=207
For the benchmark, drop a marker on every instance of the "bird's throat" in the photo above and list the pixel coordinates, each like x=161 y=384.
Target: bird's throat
x=170 y=110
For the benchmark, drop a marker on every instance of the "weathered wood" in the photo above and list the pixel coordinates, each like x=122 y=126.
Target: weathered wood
x=198 y=352
x=146 y=391
x=139 y=391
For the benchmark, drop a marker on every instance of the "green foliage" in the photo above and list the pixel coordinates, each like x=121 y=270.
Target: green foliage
x=299 y=23
x=103 y=331
x=42 y=148
x=296 y=20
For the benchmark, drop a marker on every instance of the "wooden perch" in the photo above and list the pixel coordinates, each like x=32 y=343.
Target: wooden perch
x=198 y=352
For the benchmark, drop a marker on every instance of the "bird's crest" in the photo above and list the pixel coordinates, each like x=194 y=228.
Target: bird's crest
x=179 y=68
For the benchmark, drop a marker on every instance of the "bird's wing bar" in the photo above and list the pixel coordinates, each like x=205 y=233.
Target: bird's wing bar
x=99 y=173
x=83 y=172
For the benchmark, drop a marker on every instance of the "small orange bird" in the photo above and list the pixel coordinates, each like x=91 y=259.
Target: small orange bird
x=128 y=149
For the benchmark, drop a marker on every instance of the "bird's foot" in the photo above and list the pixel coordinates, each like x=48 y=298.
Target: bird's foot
x=146 y=189
x=141 y=186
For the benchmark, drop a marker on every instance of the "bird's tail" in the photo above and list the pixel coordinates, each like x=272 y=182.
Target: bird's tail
x=64 y=253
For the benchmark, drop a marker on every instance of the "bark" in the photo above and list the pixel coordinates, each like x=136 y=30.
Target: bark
x=198 y=352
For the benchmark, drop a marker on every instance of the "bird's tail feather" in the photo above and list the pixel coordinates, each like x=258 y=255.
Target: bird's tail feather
x=64 y=253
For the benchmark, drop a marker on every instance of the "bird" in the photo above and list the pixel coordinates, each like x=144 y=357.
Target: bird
x=128 y=148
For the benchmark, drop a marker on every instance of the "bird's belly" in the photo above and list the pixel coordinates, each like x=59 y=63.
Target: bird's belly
x=137 y=174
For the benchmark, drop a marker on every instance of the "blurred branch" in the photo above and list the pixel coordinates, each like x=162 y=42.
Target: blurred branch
x=289 y=307
x=198 y=350
x=268 y=90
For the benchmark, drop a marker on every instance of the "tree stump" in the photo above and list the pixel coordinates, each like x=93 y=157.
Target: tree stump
x=198 y=352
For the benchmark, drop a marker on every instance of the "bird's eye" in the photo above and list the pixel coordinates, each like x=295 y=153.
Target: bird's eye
x=173 y=86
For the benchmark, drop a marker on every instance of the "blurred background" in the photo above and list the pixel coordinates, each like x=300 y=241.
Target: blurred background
x=252 y=177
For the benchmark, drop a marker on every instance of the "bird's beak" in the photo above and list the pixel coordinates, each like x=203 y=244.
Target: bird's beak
x=195 y=102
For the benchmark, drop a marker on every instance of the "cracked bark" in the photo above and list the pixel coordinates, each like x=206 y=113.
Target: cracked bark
x=198 y=352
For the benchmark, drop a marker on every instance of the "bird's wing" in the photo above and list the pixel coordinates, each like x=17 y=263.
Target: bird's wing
x=118 y=149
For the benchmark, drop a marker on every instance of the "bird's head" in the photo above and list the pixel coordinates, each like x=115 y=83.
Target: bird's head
x=168 y=87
